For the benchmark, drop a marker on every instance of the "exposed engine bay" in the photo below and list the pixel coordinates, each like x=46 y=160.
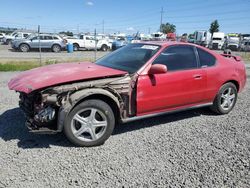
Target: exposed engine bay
x=47 y=109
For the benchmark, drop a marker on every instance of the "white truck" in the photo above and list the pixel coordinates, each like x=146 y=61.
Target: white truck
x=232 y=42
x=245 y=42
x=15 y=35
x=202 y=38
x=217 y=41
x=88 y=42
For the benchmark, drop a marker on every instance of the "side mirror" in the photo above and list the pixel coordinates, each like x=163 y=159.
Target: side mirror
x=157 y=69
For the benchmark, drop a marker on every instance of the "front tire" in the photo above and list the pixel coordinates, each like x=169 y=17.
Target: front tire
x=56 y=48
x=90 y=123
x=24 y=48
x=225 y=99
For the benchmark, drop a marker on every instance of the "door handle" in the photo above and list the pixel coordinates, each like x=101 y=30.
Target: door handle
x=197 y=76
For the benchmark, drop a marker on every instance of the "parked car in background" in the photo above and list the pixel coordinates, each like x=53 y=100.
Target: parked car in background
x=245 y=46
x=47 y=41
x=217 y=41
x=244 y=42
x=1 y=36
x=123 y=41
x=232 y=42
x=89 y=42
x=86 y=100
x=14 y=36
x=202 y=38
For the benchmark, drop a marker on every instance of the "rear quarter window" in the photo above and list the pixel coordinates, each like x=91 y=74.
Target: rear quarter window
x=206 y=59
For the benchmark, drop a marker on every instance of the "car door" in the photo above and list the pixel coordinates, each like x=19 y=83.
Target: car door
x=182 y=85
x=208 y=64
x=34 y=43
x=89 y=42
x=47 y=41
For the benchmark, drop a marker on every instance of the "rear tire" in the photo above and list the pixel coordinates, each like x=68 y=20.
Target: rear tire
x=76 y=47
x=8 y=41
x=225 y=99
x=104 y=47
x=90 y=123
x=56 y=48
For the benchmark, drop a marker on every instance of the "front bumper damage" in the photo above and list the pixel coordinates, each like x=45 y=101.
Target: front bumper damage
x=47 y=109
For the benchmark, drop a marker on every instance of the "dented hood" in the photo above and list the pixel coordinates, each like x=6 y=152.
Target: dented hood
x=50 y=75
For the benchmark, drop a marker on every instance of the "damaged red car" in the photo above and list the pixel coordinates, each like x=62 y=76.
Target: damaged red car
x=86 y=100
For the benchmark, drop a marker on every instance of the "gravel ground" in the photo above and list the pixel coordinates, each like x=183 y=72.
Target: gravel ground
x=188 y=149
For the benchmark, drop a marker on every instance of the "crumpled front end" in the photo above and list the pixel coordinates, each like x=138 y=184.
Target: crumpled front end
x=40 y=115
x=46 y=110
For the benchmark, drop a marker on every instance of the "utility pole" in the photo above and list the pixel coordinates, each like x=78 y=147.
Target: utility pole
x=39 y=43
x=149 y=30
x=95 y=45
x=161 y=18
x=102 y=26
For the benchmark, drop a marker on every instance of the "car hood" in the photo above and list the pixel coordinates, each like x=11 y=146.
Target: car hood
x=50 y=75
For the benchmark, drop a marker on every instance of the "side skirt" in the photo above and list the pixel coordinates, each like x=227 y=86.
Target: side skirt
x=164 y=113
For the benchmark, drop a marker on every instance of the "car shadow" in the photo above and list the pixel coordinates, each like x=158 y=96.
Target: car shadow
x=12 y=128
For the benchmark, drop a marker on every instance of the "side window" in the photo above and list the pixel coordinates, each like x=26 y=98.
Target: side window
x=81 y=37
x=179 y=57
x=55 y=38
x=25 y=35
x=47 y=37
x=206 y=59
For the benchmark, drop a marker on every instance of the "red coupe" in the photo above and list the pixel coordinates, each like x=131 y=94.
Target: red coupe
x=86 y=100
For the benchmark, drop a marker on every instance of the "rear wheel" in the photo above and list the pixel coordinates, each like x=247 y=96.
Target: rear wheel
x=225 y=99
x=24 y=47
x=8 y=41
x=90 y=123
x=76 y=47
x=104 y=47
x=56 y=48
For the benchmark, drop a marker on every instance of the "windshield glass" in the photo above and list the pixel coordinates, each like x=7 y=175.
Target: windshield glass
x=217 y=38
x=129 y=58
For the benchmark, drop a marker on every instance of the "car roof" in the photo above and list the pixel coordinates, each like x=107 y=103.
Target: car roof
x=167 y=43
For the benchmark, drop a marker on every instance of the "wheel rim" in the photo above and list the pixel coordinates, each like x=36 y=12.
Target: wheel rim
x=75 y=48
x=227 y=98
x=56 y=48
x=24 y=48
x=89 y=124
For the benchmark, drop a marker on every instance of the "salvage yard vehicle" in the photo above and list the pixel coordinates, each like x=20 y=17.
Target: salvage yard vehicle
x=7 y=39
x=217 y=41
x=88 y=42
x=47 y=41
x=1 y=36
x=202 y=38
x=86 y=100
x=232 y=42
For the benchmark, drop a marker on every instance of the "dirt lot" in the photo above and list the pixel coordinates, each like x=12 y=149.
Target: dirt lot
x=188 y=149
x=7 y=54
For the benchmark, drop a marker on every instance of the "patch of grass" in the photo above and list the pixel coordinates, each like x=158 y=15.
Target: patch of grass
x=17 y=66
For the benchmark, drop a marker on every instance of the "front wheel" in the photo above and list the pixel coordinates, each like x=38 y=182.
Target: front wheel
x=24 y=48
x=90 y=123
x=225 y=99
x=56 y=48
